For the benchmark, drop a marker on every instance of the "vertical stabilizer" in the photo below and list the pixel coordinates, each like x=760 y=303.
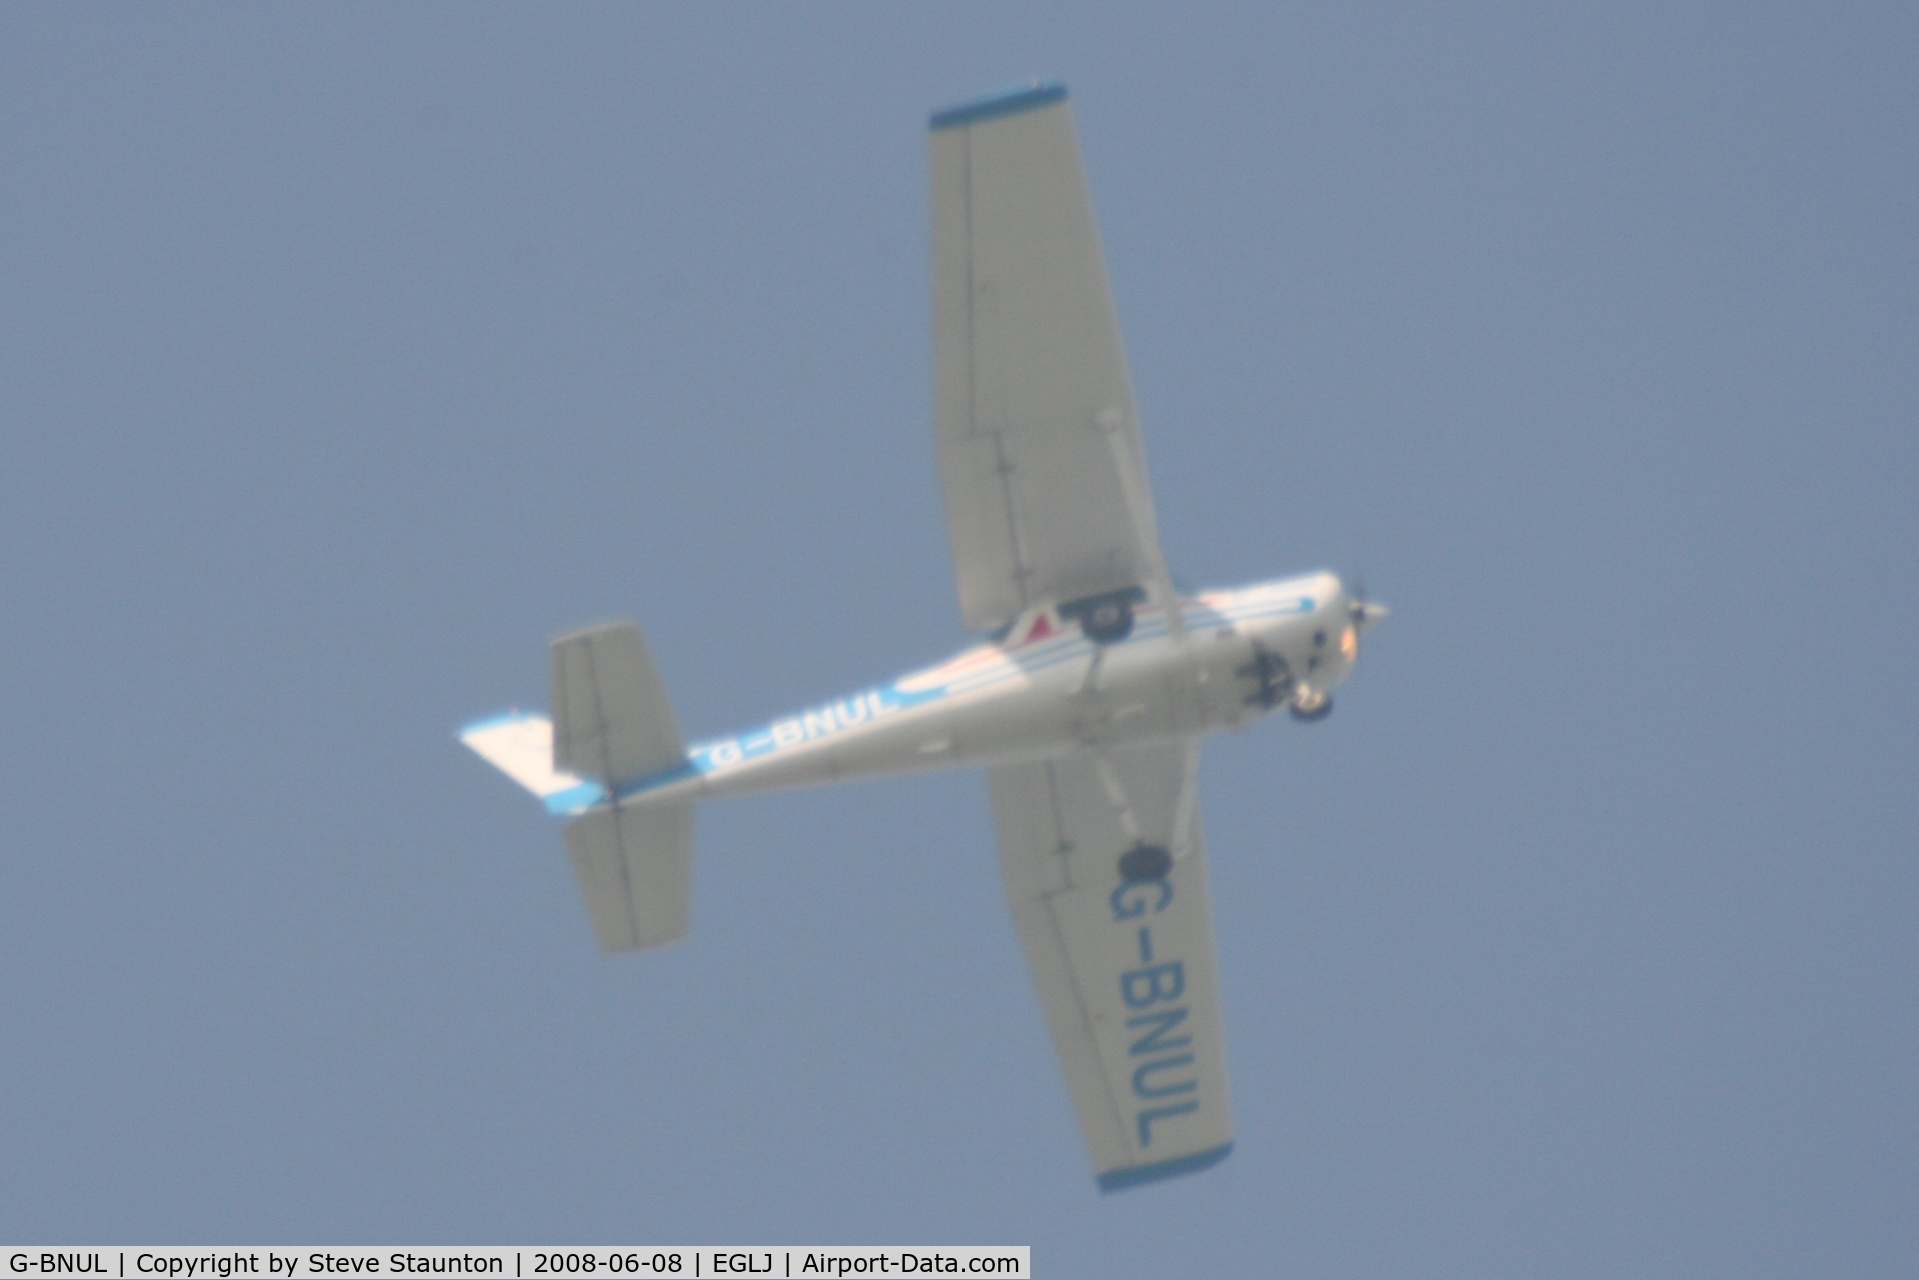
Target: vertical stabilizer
x=611 y=719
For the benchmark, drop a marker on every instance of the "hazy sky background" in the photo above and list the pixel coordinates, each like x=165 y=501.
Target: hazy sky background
x=347 y=354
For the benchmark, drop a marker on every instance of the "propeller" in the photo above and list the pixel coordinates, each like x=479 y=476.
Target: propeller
x=1365 y=612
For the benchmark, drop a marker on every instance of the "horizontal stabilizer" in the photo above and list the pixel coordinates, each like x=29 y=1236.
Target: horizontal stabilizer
x=611 y=720
x=635 y=868
x=520 y=745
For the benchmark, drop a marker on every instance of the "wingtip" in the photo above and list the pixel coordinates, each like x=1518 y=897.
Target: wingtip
x=494 y=721
x=1028 y=95
x=1139 y=1175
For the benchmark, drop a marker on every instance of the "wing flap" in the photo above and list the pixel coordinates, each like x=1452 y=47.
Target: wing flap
x=1125 y=970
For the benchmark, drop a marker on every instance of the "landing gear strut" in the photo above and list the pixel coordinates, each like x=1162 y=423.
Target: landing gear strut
x=1272 y=678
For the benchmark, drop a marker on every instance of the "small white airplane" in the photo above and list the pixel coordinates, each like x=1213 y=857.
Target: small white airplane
x=1085 y=706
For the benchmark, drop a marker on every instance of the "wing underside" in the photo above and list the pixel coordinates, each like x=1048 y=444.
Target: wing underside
x=1040 y=458
x=1125 y=968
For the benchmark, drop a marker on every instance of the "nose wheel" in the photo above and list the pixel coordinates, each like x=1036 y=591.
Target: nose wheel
x=1309 y=705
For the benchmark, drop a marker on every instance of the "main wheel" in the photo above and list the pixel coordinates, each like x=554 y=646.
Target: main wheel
x=1309 y=705
x=1108 y=622
x=1144 y=862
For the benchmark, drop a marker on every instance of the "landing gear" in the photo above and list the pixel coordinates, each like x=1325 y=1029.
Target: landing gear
x=1275 y=683
x=1144 y=862
x=1106 y=618
x=1308 y=704
x=1108 y=621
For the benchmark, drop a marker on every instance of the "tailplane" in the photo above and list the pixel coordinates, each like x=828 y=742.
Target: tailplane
x=635 y=868
x=520 y=745
x=611 y=729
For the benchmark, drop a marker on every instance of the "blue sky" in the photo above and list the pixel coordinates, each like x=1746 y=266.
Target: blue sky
x=348 y=354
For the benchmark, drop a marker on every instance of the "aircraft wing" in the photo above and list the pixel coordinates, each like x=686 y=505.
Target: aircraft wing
x=1126 y=970
x=1040 y=458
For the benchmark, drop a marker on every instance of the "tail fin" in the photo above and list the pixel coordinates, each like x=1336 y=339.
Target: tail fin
x=612 y=722
x=611 y=717
x=611 y=727
x=635 y=868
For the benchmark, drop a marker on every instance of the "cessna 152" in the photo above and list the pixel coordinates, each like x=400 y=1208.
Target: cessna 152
x=1085 y=706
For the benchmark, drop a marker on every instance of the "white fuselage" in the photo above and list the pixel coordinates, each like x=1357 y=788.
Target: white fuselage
x=1043 y=689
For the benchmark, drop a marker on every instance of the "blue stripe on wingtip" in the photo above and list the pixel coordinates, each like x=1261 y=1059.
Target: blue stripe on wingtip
x=1005 y=102
x=1120 y=1179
